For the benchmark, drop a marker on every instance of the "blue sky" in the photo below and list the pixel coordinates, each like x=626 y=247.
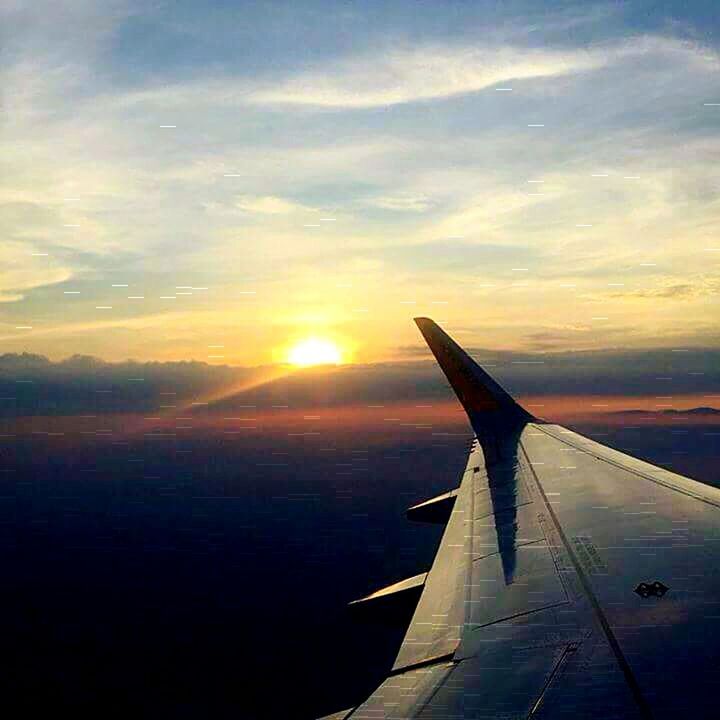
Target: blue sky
x=178 y=176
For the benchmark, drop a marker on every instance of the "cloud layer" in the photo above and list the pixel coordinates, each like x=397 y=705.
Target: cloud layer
x=34 y=385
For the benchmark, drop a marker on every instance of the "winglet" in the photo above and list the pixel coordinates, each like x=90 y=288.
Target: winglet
x=491 y=410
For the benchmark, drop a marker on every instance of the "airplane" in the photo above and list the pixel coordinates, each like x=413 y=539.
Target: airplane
x=571 y=581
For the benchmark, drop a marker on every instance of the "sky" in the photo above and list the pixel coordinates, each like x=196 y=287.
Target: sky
x=218 y=181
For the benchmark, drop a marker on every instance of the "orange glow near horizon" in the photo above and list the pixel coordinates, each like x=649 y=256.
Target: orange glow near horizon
x=387 y=422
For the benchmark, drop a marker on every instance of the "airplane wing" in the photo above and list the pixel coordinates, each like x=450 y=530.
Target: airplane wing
x=571 y=581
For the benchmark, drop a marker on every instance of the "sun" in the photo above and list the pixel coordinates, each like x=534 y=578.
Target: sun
x=315 y=351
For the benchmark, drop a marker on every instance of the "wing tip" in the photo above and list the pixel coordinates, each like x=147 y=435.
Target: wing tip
x=476 y=389
x=428 y=328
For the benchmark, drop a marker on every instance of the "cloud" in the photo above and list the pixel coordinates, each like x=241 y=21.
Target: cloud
x=426 y=73
x=437 y=72
x=24 y=264
x=269 y=205
x=668 y=289
x=33 y=385
x=402 y=203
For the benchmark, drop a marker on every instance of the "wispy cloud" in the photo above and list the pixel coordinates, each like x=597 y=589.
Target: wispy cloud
x=701 y=286
x=434 y=72
x=426 y=73
x=269 y=205
x=403 y=203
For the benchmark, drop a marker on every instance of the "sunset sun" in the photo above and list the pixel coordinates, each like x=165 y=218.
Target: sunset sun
x=315 y=351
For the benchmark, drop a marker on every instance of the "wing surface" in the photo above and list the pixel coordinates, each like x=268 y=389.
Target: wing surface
x=571 y=579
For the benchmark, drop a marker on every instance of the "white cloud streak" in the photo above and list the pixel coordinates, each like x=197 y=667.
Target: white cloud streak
x=427 y=73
